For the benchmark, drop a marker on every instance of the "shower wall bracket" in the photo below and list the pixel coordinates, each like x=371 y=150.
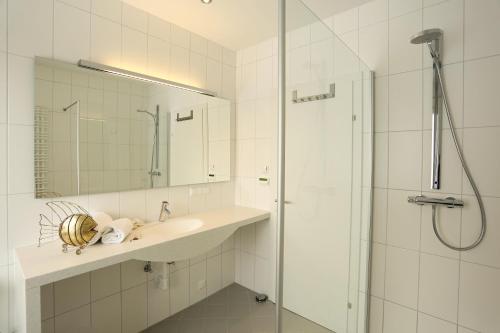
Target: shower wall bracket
x=330 y=94
x=437 y=104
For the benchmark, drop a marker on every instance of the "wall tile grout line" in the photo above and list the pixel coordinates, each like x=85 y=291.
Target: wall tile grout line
x=90 y=31
x=416 y=310
x=386 y=222
x=420 y=171
x=462 y=170
x=9 y=324
x=438 y=255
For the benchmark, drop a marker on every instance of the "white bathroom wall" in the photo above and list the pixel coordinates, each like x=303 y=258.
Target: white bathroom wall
x=256 y=115
x=418 y=285
x=116 y=34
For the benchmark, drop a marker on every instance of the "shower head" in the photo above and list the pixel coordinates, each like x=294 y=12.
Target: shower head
x=145 y=111
x=432 y=38
x=70 y=106
x=426 y=36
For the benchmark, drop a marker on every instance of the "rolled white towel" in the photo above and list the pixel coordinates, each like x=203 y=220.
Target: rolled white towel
x=117 y=231
x=102 y=219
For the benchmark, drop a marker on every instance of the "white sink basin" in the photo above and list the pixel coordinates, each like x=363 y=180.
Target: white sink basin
x=181 y=238
x=189 y=237
x=174 y=227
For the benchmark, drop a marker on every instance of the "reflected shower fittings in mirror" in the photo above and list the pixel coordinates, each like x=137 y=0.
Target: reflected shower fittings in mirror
x=154 y=170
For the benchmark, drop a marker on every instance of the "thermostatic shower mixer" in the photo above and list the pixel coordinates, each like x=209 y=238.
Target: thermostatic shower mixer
x=449 y=202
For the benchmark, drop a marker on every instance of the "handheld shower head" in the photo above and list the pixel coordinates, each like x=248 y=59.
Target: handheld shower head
x=427 y=36
x=432 y=38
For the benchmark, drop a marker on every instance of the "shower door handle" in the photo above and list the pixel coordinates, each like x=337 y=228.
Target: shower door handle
x=286 y=202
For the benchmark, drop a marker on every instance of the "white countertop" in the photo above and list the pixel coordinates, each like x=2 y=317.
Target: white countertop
x=46 y=264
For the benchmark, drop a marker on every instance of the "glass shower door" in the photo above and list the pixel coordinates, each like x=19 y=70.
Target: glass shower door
x=327 y=179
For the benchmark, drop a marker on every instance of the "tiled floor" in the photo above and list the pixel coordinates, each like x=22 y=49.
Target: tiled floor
x=233 y=310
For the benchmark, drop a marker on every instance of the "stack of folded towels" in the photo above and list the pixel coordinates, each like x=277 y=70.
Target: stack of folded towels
x=111 y=231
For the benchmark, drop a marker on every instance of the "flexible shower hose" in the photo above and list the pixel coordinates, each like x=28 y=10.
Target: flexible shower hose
x=460 y=153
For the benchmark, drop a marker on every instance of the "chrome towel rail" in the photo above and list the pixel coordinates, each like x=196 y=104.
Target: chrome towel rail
x=191 y=116
x=319 y=97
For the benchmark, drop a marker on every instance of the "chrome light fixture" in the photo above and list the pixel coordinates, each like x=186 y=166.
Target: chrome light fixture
x=142 y=77
x=206 y=2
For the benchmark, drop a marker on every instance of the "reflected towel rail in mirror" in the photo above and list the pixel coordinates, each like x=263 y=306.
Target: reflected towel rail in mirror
x=311 y=98
x=190 y=117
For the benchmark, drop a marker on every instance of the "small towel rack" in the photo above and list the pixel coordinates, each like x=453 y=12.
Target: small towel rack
x=191 y=116
x=319 y=97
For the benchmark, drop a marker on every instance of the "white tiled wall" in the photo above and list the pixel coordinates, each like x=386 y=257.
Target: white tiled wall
x=124 y=298
x=418 y=285
x=256 y=114
x=115 y=34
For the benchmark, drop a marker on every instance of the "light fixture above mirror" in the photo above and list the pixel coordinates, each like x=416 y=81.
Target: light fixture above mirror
x=143 y=77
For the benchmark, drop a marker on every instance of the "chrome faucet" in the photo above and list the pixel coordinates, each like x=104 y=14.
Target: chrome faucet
x=165 y=212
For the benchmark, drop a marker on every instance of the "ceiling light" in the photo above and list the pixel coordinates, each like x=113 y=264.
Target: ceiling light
x=206 y=2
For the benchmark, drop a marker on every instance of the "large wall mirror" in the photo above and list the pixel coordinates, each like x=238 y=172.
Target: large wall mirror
x=99 y=132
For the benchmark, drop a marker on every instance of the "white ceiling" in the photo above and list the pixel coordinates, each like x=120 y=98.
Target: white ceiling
x=234 y=24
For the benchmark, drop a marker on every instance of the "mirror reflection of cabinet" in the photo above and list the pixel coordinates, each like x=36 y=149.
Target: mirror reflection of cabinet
x=97 y=132
x=188 y=145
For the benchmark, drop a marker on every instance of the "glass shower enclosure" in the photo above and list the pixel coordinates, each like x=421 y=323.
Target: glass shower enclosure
x=324 y=177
